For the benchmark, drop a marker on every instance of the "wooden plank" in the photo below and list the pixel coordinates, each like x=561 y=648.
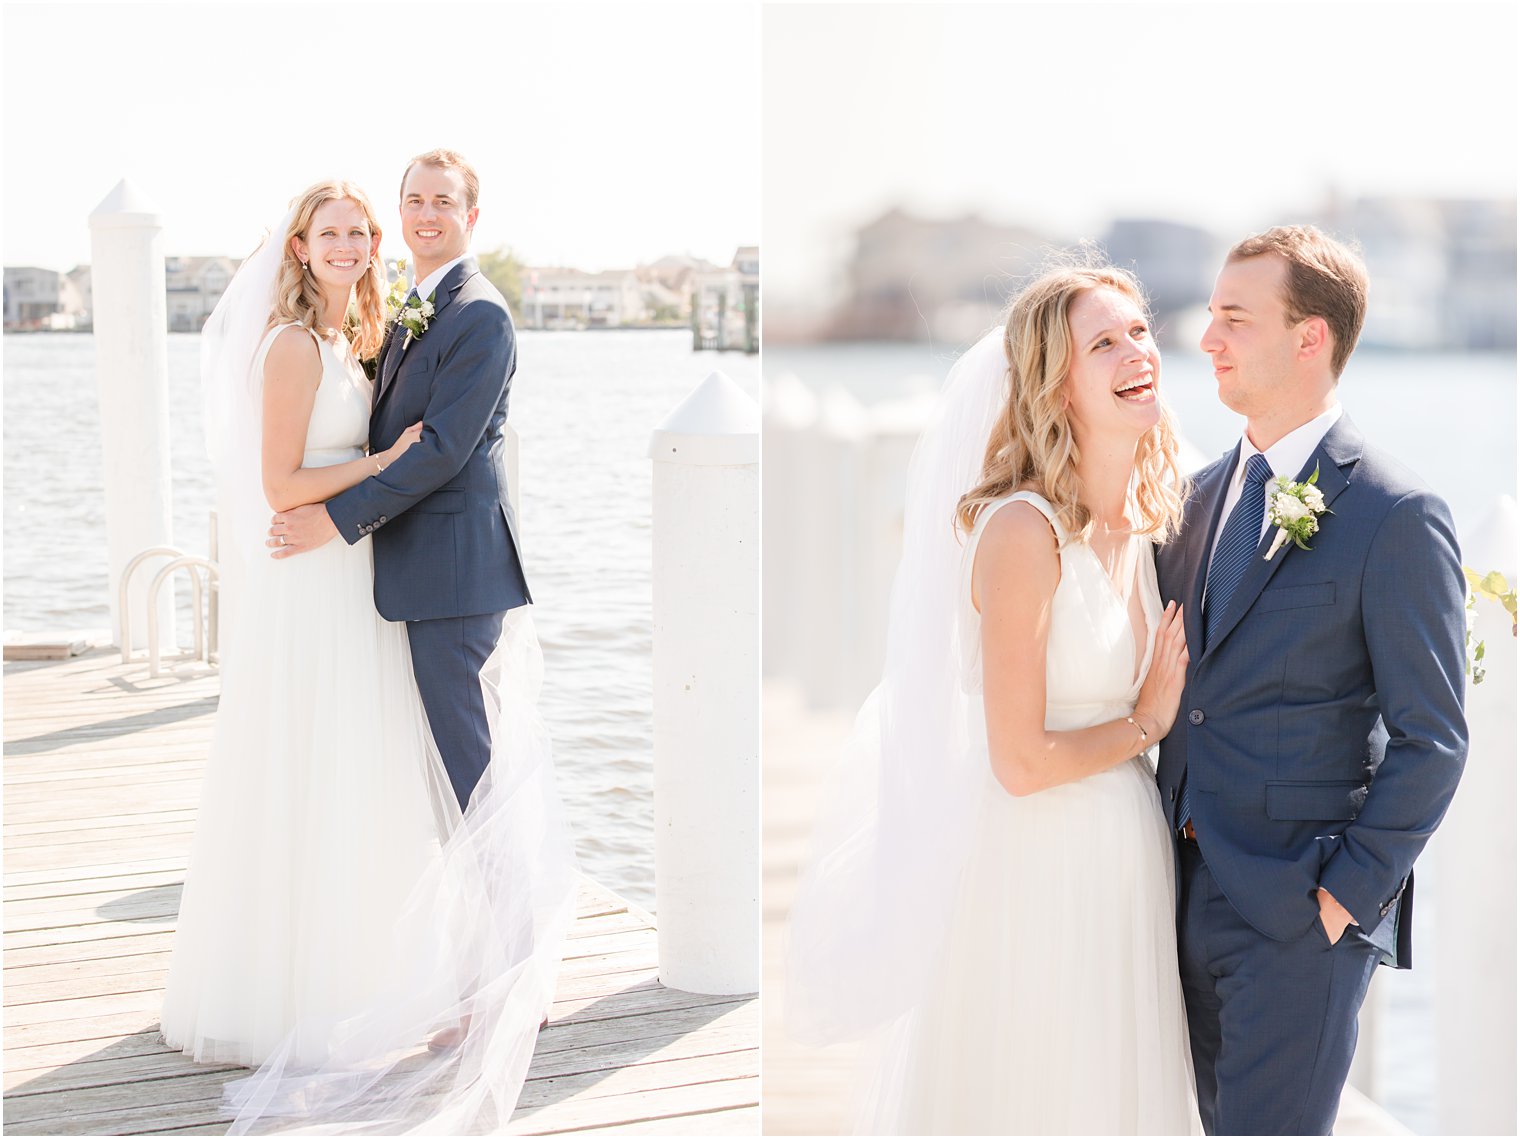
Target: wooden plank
x=105 y=1073
x=91 y=1104
x=26 y=1061
x=638 y=1107
x=657 y=1074
x=43 y=648
x=47 y=992
x=89 y=873
x=122 y=945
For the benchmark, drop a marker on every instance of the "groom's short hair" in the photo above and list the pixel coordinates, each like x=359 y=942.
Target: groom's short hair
x=445 y=160
x=1325 y=279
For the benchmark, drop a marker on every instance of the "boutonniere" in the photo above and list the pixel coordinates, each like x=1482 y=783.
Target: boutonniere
x=1294 y=508
x=415 y=314
x=406 y=310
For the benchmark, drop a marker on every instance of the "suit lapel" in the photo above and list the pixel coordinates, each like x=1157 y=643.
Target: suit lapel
x=1341 y=447
x=385 y=345
x=1200 y=542
x=443 y=296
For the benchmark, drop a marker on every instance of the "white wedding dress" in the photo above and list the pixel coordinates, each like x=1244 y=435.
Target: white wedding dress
x=1055 y=1006
x=320 y=806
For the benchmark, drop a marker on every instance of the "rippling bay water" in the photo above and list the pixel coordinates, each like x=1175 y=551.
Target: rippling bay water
x=584 y=405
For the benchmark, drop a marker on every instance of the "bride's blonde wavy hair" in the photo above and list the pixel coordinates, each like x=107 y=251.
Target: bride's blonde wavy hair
x=297 y=296
x=1032 y=442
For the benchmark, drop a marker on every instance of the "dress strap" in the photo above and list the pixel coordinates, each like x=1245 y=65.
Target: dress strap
x=1038 y=501
x=984 y=516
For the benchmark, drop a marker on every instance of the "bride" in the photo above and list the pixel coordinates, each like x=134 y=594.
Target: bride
x=339 y=909
x=992 y=899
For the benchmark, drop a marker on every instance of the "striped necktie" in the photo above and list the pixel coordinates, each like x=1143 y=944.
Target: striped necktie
x=1232 y=557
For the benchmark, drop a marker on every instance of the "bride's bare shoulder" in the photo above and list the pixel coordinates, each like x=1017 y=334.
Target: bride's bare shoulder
x=1017 y=526
x=1017 y=544
x=293 y=352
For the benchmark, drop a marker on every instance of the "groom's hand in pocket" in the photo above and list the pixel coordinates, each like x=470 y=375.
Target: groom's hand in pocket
x=1333 y=916
x=299 y=530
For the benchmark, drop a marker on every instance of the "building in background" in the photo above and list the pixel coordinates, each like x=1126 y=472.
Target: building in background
x=42 y=300
x=725 y=304
x=1443 y=272
x=574 y=298
x=193 y=286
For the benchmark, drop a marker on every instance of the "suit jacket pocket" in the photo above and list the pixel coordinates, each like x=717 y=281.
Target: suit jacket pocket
x=1340 y=800
x=440 y=502
x=1295 y=596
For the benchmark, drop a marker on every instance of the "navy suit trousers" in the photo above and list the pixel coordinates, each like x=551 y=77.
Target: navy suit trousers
x=1273 y=1023
x=448 y=654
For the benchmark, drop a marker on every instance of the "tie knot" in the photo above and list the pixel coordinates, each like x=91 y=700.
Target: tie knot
x=1258 y=470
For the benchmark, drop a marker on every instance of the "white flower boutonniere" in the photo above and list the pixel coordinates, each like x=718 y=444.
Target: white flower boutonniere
x=1294 y=508
x=415 y=314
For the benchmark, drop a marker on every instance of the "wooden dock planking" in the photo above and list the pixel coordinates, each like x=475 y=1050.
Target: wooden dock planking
x=102 y=773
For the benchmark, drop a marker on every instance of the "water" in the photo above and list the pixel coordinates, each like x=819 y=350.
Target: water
x=584 y=405
x=1450 y=417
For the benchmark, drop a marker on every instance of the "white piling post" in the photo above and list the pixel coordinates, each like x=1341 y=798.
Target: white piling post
x=791 y=413
x=1474 y=867
x=132 y=370
x=706 y=520
x=825 y=523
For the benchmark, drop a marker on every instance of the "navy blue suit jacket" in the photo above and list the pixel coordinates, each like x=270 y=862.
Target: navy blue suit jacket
x=1323 y=731
x=445 y=538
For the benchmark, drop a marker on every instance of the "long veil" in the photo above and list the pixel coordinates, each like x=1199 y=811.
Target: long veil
x=892 y=835
x=479 y=939
x=478 y=942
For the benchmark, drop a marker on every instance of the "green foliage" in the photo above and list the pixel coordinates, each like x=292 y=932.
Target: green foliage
x=1495 y=587
x=505 y=270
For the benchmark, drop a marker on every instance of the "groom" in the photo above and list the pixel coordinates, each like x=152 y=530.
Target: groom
x=445 y=538
x=1321 y=732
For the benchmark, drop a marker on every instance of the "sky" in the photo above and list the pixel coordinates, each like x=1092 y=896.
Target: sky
x=1236 y=116
x=604 y=135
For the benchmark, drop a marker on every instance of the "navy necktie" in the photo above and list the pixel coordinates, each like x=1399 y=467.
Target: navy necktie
x=1232 y=557
x=1237 y=545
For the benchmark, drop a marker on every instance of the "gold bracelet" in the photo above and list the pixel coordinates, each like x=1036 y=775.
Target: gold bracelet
x=380 y=467
x=1145 y=737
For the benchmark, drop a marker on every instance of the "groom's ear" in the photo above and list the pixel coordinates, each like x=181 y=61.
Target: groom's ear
x=1313 y=338
x=471 y=217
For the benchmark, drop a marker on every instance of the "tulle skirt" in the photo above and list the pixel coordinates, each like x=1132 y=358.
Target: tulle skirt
x=320 y=809
x=1056 y=1008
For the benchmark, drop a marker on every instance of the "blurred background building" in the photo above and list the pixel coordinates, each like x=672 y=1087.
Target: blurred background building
x=1443 y=271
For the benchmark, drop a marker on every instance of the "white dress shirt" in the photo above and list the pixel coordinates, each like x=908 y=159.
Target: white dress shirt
x=1286 y=457
x=430 y=283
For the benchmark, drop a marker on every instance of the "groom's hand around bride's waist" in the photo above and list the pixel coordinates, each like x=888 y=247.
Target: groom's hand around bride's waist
x=301 y=529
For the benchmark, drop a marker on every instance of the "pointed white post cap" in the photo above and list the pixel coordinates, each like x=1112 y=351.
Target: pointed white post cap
x=123 y=208
x=717 y=425
x=789 y=402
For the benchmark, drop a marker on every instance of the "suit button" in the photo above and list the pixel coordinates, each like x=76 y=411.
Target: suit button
x=1195 y=717
x=384 y=519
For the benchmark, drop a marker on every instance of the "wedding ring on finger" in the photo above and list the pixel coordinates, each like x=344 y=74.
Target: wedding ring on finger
x=282 y=539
